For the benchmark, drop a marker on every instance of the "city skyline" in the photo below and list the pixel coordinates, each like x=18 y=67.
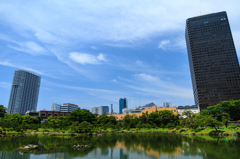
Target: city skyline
x=92 y=54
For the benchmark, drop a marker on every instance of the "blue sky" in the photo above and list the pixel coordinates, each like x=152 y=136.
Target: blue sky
x=92 y=53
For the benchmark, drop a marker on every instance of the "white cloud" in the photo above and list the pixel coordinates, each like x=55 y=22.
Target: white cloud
x=6 y=85
x=152 y=85
x=84 y=58
x=7 y=63
x=94 y=47
x=114 y=80
x=139 y=62
x=30 y=47
x=164 y=44
x=146 y=77
x=175 y=44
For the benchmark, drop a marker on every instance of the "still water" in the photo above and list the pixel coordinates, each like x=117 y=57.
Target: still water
x=123 y=146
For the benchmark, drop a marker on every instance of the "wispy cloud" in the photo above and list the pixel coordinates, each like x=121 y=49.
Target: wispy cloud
x=119 y=45
x=175 y=44
x=7 y=63
x=94 y=47
x=6 y=85
x=30 y=47
x=84 y=58
x=148 y=84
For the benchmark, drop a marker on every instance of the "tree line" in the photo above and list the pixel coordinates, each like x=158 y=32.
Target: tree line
x=83 y=120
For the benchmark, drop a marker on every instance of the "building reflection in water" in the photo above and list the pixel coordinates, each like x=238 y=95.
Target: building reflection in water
x=99 y=152
x=123 y=154
x=14 y=155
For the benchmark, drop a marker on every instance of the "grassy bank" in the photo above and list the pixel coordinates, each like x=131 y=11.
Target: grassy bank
x=205 y=131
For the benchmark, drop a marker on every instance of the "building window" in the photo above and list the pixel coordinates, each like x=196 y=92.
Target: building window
x=61 y=114
x=174 y=110
x=55 y=114
x=43 y=114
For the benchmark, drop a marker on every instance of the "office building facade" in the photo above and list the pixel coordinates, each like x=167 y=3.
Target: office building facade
x=213 y=60
x=97 y=110
x=166 y=104
x=56 y=106
x=122 y=104
x=68 y=107
x=105 y=109
x=24 y=92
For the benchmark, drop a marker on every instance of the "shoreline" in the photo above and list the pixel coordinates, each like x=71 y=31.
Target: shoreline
x=212 y=133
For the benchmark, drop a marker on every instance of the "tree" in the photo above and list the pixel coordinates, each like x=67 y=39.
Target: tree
x=232 y=107
x=2 y=111
x=212 y=122
x=188 y=113
x=103 y=119
x=81 y=115
x=225 y=119
x=154 y=118
x=85 y=127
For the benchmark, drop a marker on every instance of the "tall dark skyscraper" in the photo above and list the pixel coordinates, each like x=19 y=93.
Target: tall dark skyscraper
x=122 y=104
x=24 y=92
x=213 y=60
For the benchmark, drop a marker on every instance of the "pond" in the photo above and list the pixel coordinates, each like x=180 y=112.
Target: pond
x=122 y=146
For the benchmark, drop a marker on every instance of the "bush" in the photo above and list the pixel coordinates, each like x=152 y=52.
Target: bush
x=232 y=126
x=169 y=125
x=63 y=131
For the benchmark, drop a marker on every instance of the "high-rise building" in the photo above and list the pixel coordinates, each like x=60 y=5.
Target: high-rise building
x=68 y=107
x=213 y=60
x=105 y=109
x=24 y=92
x=122 y=104
x=56 y=106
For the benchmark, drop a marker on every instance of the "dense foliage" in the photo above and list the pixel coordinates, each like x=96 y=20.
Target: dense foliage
x=231 y=107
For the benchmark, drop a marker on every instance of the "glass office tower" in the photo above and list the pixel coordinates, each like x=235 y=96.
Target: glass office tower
x=213 y=60
x=122 y=104
x=24 y=92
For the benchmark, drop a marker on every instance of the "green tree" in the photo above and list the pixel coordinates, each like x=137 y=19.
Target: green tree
x=85 y=127
x=188 y=113
x=81 y=115
x=2 y=111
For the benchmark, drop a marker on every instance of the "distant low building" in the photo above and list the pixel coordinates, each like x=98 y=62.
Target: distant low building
x=166 y=104
x=132 y=110
x=97 y=110
x=45 y=114
x=146 y=110
x=68 y=107
x=100 y=110
x=33 y=114
x=56 y=106
x=192 y=108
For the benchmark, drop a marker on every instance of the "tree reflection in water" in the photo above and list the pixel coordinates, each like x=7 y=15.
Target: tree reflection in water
x=154 y=145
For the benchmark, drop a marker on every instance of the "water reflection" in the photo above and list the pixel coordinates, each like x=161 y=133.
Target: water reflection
x=123 y=146
x=14 y=155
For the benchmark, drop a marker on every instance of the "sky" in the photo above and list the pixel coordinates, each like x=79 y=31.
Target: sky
x=91 y=53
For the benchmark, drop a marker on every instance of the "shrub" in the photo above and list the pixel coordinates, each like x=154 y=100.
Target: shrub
x=63 y=131
x=169 y=125
x=128 y=128
x=232 y=126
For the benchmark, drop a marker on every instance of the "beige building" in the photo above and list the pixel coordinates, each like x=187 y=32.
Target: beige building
x=146 y=110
